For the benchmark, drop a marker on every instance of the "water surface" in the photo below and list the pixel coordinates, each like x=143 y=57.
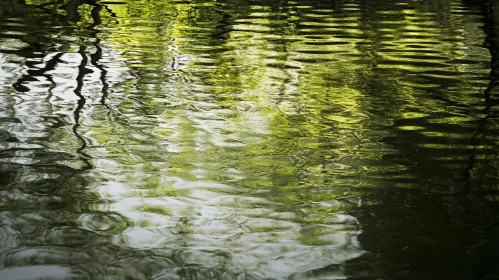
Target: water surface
x=248 y=140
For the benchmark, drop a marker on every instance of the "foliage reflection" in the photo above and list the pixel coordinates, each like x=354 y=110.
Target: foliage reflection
x=223 y=139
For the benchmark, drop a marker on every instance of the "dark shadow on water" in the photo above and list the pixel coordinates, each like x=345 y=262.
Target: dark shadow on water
x=411 y=235
x=418 y=235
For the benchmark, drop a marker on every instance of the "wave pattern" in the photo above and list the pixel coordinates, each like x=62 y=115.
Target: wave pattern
x=222 y=140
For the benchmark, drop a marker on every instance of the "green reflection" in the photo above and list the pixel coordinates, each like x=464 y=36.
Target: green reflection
x=219 y=139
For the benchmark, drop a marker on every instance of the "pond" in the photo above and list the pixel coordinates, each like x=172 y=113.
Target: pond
x=214 y=139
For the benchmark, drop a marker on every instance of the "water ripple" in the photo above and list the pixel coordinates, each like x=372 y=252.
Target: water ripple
x=203 y=140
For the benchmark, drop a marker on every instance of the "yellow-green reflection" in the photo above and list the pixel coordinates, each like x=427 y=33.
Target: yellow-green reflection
x=237 y=138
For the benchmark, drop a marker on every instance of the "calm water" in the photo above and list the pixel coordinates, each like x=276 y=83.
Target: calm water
x=203 y=139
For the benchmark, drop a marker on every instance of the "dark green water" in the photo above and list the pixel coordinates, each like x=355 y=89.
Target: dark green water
x=201 y=139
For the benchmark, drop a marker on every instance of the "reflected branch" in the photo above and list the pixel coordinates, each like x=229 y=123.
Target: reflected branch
x=479 y=136
x=34 y=72
x=82 y=70
x=94 y=59
x=73 y=15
